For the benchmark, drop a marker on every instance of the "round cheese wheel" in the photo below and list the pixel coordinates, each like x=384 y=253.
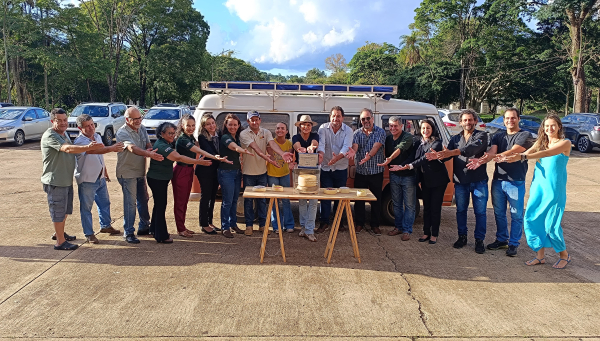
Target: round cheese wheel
x=307 y=180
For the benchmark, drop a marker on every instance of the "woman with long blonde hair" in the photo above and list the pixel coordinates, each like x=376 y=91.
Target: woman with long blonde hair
x=548 y=191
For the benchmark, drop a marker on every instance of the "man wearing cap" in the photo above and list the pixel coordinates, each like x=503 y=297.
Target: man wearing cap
x=58 y=157
x=335 y=148
x=254 y=167
x=91 y=176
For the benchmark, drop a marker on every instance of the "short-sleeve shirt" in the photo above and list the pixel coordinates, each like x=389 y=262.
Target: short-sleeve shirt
x=90 y=167
x=365 y=144
x=515 y=171
x=58 y=167
x=304 y=143
x=131 y=165
x=285 y=169
x=232 y=155
x=162 y=170
x=184 y=145
x=255 y=165
x=404 y=142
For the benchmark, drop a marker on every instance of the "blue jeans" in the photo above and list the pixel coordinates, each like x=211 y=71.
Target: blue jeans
x=334 y=179
x=231 y=181
x=404 y=197
x=462 y=193
x=308 y=214
x=512 y=192
x=135 y=193
x=88 y=193
x=286 y=208
x=255 y=180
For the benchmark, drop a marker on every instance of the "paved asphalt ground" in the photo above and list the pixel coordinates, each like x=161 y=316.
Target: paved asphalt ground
x=212 y=288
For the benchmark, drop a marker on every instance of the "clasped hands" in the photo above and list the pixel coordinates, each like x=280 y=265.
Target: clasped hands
x=498 y=158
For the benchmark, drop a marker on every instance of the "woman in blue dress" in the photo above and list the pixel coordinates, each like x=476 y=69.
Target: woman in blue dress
x=548 y=191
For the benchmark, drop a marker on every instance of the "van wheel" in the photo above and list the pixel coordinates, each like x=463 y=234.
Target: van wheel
x=387 y=208
x=584 y=145
x=108 y=137
x=19 y=138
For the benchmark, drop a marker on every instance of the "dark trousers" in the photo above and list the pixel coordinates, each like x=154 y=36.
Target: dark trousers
x=333 y=179
x=433 y=197
x=374 y=183
x=158 y=223
x=209 y=184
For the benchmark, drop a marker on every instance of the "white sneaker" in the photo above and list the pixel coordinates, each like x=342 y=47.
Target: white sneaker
x=302 y=233
x=311 y=237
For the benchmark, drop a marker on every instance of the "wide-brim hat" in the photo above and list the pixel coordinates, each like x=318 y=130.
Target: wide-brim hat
x=305 y=119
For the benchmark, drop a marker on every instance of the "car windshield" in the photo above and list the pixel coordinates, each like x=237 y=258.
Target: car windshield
x=10 y=114
x=529 y=123
x=92 y=110
x=162 y=114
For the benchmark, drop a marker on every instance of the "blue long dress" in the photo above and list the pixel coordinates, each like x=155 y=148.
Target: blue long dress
x=546 y=205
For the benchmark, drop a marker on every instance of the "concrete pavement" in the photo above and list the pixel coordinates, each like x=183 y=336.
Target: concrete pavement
x=209 y=287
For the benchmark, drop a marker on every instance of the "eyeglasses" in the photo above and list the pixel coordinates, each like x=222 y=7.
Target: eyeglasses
x=363 y=119
x=135 y=118
x=171 y=133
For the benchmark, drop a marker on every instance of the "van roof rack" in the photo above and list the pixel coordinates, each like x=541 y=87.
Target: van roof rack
x=273 y=88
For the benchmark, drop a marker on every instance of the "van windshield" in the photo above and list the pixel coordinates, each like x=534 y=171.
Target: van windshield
x=92 y=110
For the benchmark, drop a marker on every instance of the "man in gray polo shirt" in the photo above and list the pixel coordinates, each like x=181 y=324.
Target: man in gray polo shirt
x=58 y=157
x=91 y=176
x=131 y=173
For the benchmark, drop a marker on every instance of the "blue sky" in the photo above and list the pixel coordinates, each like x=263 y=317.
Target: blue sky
x=293 y=36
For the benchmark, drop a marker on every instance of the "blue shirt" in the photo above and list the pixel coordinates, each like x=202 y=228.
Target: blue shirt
x=365 y=144
x=330 y=142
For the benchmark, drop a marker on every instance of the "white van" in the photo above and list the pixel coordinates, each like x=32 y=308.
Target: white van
x=284 y=102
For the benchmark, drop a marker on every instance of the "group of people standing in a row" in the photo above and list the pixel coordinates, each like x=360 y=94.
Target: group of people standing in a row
x=254 y=155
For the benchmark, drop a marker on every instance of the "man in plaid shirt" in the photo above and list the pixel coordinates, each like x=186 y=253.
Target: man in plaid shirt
x=367 y=143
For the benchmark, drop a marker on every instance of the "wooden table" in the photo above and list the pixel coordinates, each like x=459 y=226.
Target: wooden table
x=288 y=193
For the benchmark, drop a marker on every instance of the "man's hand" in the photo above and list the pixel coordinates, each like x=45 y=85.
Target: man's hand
x=246 y=151
x=154 y=155
x=396 y=168
x=334 y=158
x=365 y=159
x=94 y=146
x=117 y=147
x=272 y=161
x=508 y=158
x=203 y=161
x=350 y=154
x=444 y=153
x=320 y=158
x=288 y=157
x=431 y=155
x=474 y=164
x=486 y=158
x=386 y=162
x=223 y=159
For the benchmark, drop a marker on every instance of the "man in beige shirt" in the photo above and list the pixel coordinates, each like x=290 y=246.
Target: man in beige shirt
x=254 y=167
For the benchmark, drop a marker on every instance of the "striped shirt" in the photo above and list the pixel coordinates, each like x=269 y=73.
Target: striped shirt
x=365 y=144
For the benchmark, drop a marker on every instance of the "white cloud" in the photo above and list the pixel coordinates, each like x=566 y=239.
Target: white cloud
x=280 y=31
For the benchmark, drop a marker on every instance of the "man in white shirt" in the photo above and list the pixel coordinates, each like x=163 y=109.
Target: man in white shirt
x=91 y=176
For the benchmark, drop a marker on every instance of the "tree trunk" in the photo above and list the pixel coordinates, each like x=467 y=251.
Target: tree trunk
x=46 y=100
x=462 y=84
x=598 y=102
x=89 y=90
x=5 y=35
x=567 y=103
x=577 y=71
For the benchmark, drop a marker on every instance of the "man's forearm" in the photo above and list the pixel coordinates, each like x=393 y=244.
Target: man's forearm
x=74 y=149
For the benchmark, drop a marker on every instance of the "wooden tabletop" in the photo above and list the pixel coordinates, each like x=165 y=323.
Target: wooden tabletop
x=288 y=193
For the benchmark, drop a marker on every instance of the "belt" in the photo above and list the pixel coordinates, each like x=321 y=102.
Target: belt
x=184 y=164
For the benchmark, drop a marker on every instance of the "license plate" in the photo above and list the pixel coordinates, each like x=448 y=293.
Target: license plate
x=73 y=135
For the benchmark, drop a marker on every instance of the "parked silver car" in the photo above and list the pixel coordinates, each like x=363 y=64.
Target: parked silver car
x=588 y=127
x=18 y=124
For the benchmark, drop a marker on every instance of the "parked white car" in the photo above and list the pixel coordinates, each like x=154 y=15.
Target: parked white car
x=163 y=112
x=108 y=118
x=20 y=123
x=451 y=121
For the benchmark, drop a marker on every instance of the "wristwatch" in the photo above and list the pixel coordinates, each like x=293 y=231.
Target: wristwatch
x=523 y=157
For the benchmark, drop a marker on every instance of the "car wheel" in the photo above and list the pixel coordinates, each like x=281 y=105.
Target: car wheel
x=387 y=208
x=108 y=137
x=583 y=144
x=19 y=138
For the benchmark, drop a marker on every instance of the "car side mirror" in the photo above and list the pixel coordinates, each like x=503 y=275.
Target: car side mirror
x=28 y=119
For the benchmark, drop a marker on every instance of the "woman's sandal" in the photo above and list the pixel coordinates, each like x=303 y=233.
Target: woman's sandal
x=539 y=261
x=568 y=260
x=186 y=234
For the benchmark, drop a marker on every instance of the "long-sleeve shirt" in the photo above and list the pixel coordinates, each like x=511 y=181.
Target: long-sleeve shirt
x=330 y=142
x=471 y=149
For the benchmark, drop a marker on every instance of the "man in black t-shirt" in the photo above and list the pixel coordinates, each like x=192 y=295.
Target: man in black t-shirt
x=508 y=184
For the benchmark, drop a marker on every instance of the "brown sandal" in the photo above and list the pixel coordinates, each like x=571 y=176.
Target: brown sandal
x=186 y=234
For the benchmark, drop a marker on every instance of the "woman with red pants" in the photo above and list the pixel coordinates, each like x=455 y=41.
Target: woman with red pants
x=183 y=173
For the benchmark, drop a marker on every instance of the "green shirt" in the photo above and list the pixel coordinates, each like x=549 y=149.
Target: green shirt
x=161 y=170
x=232 y=155
x=58 y=167
x=184 y=144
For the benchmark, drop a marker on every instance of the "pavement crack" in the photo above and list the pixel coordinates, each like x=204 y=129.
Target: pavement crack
x=410 y=291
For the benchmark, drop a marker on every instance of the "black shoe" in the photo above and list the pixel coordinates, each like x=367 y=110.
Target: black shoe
x=67 y=238
x=424 y=239
x=497 y=245
x=461 y=242
x=214 y=231
x=479 y=248
x=143 y=232
x=512 y=251
x=66 y=246
x=132 y=239
x=236 y=230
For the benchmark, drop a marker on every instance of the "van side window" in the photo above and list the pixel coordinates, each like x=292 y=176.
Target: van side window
x=267 y=120
x=350 y=120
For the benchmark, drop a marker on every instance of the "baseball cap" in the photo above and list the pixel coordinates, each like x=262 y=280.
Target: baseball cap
x=251 y=114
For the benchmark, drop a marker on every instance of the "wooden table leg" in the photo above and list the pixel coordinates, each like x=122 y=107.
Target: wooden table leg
x=280 y=229
x=337 y=227
x=336 y=221
x=352 y=231
x=263 y=245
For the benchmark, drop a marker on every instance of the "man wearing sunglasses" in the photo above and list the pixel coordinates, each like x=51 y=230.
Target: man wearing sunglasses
x=131 y=173
x=367 y=143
